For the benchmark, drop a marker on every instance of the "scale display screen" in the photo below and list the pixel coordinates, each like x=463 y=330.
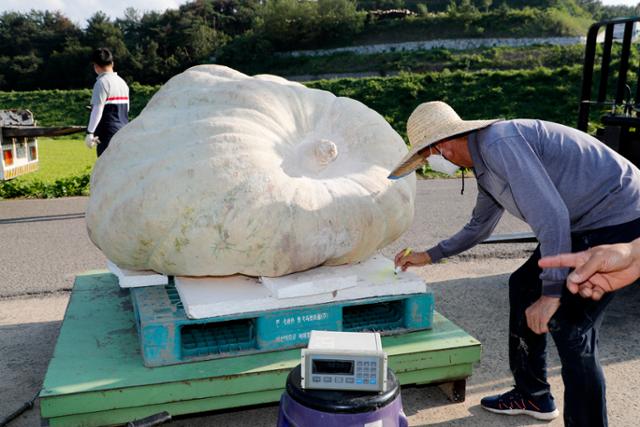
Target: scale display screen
x=333 y=367
x=344 y=361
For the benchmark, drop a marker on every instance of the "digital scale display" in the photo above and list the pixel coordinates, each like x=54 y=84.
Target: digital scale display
x=332 y=367
x=344 y=361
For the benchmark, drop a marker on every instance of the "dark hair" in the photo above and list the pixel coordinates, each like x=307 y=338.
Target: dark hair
x=102 y=57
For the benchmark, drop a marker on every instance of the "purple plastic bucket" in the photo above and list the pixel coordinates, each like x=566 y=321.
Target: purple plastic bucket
x=327 y=408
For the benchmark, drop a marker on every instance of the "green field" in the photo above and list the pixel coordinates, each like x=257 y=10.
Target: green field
x=60 y=158
x=419 y=61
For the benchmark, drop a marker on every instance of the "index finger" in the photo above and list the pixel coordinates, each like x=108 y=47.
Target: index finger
x=562 y=260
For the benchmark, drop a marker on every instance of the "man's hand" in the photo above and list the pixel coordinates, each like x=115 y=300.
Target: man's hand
x=600 y=269
x=540 y=312
x=414 y=259
x=91 y=141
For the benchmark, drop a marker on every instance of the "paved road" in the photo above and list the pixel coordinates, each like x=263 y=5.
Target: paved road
x=44 y=244
x=40 y=255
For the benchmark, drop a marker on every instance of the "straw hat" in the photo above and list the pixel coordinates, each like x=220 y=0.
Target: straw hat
x=429 y=124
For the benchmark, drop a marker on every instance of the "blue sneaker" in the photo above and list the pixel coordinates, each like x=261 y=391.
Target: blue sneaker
x=515 y=403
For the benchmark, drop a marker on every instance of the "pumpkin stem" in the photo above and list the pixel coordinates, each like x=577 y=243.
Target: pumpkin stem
x=325 y=152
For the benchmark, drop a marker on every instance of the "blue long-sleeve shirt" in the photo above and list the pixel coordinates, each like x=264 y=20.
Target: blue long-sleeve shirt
x=555 y=178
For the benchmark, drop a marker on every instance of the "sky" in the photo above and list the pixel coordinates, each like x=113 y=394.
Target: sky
x=80 y=10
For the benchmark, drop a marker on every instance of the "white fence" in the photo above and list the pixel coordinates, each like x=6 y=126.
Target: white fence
x=456 y=44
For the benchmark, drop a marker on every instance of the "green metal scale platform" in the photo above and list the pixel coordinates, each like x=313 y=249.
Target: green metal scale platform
x=96 y=376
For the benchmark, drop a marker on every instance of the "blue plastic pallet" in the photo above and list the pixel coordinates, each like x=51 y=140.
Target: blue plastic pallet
x=167 y=336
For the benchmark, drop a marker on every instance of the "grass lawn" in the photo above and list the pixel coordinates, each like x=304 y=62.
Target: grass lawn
x=61 y=158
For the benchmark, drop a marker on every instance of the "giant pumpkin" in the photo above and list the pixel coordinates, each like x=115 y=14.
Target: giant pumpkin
x=223 y=173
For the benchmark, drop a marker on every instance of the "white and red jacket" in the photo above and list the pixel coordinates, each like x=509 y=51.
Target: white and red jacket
x=109 y=106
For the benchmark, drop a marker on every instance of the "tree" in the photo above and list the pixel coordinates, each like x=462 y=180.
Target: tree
x=101 y=32
x=69 y=67
x=28 y=41
x=338 y=20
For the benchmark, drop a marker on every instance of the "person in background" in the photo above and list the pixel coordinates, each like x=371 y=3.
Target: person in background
x=600 y=269
x=109 y=102
x=575 y=193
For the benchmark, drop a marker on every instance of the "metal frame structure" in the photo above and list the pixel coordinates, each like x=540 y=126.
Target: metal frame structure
x=605 y=71
x=621 y=123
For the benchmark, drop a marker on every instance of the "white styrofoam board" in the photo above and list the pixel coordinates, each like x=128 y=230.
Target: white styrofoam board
x=204 y=297
x=136 y=278
x=316 y=281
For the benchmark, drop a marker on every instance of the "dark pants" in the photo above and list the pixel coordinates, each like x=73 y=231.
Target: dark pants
x=574 y=329
x=105 y=138
x=114 y=118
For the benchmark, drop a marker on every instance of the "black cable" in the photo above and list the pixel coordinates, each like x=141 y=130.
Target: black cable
x=24 y=408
